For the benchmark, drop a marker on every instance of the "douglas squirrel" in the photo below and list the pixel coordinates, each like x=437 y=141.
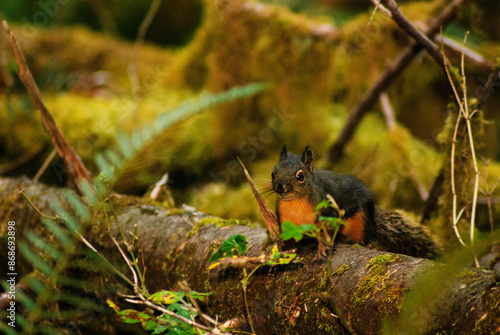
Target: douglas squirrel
x=300 y=188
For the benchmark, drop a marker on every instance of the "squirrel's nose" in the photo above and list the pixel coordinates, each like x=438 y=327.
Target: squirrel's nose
x=280 y=188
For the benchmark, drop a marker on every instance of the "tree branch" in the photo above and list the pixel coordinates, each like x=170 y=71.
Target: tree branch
x=76 y=170
x=385 y=80
x=416 y=34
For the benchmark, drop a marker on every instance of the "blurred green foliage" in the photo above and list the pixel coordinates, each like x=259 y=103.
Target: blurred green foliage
x=174 y=24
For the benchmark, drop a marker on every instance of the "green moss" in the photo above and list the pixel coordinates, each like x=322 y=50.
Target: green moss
x=341 y=270
x=377 y=278
x=218 y=222
x=468 y=274
x=382 y=260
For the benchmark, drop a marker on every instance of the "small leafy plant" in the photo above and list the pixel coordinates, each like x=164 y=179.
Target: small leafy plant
x=165 y=323
x=232 y=252
x=235 y=245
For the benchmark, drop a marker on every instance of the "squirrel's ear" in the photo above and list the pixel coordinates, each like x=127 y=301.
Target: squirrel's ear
x=283 y=153
x=307 y=158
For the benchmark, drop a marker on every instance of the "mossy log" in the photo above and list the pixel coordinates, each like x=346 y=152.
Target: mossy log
x=356 y=290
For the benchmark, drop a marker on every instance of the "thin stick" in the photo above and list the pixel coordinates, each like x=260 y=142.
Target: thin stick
x=416 y=34
x=377 y=5
x=384 y=10
x=43 y=215
x=76 y=170
x=467 y=117
x=452 y=159
x=45 y=165
x=387 y=110
x=470 y=55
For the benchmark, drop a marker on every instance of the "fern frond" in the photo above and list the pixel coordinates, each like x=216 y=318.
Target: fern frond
x=111 y=163
x=42 y=244
x=34 y=259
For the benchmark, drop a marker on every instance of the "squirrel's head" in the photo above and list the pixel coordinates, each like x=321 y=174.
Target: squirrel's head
x=292 y=177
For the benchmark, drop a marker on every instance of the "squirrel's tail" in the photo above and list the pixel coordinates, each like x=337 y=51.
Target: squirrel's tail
x=395 y=233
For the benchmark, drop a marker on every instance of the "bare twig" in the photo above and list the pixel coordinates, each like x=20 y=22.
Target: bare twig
x=144 y=301
x=76 y=170
x=377 y=5
x=455 y=216
x=45 y=165
x=416 y=34
x=387 y=110
x=466 y=115
x=43 y=215
x=397 y=66
x=470 y=55
x=185 y=287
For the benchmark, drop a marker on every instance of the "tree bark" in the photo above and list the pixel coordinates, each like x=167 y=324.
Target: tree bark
x=355 y=290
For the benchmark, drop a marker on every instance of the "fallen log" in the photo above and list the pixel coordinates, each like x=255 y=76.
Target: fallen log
x=355 y=290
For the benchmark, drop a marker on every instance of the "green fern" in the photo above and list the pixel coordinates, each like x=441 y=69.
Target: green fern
x=111 y=162
x=51 y=295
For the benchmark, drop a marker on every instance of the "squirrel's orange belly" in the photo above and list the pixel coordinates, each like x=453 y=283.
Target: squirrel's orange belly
x=296 y=211
x=355 y=229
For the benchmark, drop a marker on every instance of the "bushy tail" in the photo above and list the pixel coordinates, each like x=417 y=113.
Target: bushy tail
x=395 y=233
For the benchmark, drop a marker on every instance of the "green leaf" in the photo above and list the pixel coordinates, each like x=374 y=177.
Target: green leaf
x=41 y=244
x=124 y=145
x=234 y=245
x=323 y=204
x=61 y=235
x=77 y=205
x=25 y=300
x=114 y=158
x=63 y=214
x=89 y=192
x=308 y=227
x=332 y=221
x=166 y=297
x=133 y=316
x=279 y=258
x=151 y=325
x=199 y=296
x=296 y=232
x=35 y=260
x=101 y=162
x=35 y=284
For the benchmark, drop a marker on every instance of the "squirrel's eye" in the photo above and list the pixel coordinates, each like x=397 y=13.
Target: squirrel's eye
x=300 y=176
x=273 y=174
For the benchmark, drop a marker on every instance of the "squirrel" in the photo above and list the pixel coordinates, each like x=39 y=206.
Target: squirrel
x=300 y=188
